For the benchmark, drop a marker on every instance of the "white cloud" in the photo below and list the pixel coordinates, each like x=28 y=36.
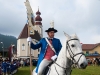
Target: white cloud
x=72 y=16
x=96 y=38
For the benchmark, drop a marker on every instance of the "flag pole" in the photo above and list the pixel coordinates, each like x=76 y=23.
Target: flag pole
x=30 y=51
x=29 y=11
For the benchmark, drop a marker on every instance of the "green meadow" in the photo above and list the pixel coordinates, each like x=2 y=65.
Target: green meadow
x=90 y=70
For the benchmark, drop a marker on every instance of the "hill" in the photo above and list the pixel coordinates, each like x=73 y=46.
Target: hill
x=7 y=41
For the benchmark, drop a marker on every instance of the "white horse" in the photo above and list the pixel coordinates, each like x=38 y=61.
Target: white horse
x=71 y=53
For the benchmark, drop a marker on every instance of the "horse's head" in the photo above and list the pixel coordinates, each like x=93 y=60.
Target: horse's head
x=74 y=51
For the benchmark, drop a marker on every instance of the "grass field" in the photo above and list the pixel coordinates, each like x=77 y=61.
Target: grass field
x=90 y=70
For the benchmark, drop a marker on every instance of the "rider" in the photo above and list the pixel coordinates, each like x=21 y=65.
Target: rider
x=47 y=55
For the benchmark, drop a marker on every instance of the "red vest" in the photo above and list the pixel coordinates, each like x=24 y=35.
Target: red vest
x=49 y=52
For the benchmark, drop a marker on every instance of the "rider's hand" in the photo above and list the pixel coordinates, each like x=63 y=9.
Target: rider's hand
x=29 y=39
x=54 y=57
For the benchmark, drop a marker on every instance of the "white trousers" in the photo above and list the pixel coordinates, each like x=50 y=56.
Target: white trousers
x=44 y=63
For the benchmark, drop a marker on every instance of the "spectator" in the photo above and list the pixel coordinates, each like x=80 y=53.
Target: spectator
x=22 y=63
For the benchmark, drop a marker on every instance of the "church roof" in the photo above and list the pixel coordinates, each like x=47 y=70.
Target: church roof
x=38 y=12
x=38 y=19
x=24 y=34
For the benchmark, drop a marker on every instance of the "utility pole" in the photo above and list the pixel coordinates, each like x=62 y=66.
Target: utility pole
x=3 y=48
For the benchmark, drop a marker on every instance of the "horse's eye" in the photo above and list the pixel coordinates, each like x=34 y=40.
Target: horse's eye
x=73 y=45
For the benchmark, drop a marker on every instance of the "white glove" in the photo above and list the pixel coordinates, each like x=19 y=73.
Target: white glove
x=54 y=57
x=29 y=39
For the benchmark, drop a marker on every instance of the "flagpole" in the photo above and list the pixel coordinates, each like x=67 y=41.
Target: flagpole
x=29 y=13
x=30 y=51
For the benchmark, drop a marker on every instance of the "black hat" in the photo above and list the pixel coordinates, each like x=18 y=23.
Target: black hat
x=51 y=29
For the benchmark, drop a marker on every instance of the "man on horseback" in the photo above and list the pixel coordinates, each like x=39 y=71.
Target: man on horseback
x=47 y=53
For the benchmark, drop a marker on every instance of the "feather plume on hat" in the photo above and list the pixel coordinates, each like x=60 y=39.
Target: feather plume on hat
x=52 y=27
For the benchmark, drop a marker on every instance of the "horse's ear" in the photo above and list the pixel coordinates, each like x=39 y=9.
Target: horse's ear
x=75 y=36
x=67 y=36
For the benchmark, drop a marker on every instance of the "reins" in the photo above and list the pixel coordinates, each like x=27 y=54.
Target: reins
x=70 y=52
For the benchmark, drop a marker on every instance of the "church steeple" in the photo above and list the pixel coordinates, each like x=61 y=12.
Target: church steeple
x=38 y=24
x=38 y=12
x=38 y=19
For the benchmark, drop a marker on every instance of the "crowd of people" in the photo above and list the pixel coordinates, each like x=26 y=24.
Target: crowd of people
x=8 y=67
x=91 y=61
x=94 y=61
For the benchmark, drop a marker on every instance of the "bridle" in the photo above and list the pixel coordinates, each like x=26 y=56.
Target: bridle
x=72 y=55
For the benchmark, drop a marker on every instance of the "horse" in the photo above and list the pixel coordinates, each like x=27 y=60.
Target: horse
x=71 y=53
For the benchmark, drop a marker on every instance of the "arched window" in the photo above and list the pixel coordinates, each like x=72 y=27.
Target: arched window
x=23 y=46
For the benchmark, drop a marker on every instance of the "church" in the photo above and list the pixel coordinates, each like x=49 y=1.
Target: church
x=22 y=44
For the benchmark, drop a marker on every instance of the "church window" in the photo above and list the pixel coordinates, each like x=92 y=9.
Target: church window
x=23 y=46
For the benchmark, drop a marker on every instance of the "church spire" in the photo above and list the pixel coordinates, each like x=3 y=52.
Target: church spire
x=38 y=19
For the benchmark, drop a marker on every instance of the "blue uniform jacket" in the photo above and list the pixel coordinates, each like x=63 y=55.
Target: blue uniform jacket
x=43 y=45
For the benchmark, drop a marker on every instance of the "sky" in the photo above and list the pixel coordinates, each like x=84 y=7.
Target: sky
x=81 y=17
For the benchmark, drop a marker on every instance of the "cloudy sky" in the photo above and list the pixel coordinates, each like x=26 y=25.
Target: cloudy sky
x=72 y=16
